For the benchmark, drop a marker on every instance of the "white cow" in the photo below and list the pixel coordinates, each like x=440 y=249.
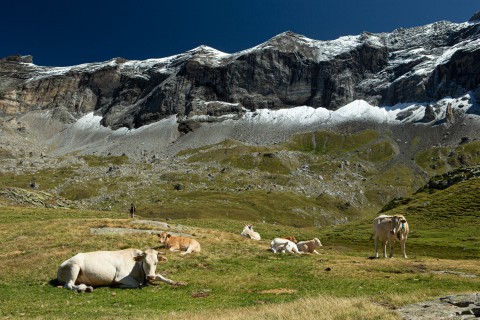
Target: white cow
x=309 y=246
x=388 y=229
x=378 y=219
x=249 y=233
x=283 y=245
x=129 y=268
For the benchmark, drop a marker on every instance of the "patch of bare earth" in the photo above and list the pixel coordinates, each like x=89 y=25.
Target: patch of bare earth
x=278 y=291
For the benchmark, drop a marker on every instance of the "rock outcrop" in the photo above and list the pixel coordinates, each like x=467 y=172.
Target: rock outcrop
x=420 y=64
x=464 y=306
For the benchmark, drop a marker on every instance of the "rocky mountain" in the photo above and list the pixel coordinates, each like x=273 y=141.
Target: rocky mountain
x=322 y=131
x=416 y=65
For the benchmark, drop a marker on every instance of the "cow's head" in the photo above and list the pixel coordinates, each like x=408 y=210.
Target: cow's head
x=317 y=242
x=149 y=260
x=162 y=237
x=398 y=224
x=292 y=238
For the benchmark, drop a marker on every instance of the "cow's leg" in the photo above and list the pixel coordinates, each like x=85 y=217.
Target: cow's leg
x=128 y=283
x=391 y=248
x=315 y=251
x=161 y=278
x=376 y=247
x=402 y=243
x=280 y=248
x=189 y=250
x=295 y=250
x=384 y=248
x=69 y=274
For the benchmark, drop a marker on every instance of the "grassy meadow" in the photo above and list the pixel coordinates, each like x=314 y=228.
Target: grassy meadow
x=321 y=184
x=237 y=278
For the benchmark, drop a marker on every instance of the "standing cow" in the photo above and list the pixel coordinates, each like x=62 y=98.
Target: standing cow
x=389 y=229
x=129 y=268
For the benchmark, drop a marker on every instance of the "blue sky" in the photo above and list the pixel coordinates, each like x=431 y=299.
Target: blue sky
x=61 y=33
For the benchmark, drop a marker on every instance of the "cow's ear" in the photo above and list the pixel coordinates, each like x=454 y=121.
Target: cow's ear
x=140 y=257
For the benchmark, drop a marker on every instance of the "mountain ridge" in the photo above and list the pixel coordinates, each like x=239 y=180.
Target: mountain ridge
x=153 y=110
x=420 y=64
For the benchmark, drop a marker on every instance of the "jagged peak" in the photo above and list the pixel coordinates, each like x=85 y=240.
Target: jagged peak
x=288 y=34
x=203 y=49
x=475 y=17
x=19 y=58
x=288 y=37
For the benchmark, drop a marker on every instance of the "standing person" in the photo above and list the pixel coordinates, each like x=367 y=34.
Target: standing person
x=132 y=211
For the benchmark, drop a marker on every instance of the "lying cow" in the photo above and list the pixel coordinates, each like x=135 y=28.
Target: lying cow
x=129 y=268
x=389 y=229
x=283 y=245
x=249 y=233
x=291 y=238
x=309 y=246
x=174 y=243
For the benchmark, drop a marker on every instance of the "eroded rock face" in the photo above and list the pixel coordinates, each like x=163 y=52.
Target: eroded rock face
x=465 y=306
x=419 y=64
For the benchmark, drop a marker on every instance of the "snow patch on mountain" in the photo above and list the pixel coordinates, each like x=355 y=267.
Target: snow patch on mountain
x=358 y=110
x=92 y=122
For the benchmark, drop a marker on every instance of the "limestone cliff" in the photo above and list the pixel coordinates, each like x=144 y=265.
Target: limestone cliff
x=420 y=64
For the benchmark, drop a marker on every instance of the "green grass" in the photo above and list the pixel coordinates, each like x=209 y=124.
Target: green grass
x=45 y=179
x=438 y=160
x=86 y=190
x=223 y=187
x=238 y=155
x=234 y=272
x=307 y=181
x=367 y=143
x=325 y=155
x=98 y=161
x=378 y=152
x=274 y=207
x=324 y=142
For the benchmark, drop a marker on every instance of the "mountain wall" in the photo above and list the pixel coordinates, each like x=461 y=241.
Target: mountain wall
x=421 y=64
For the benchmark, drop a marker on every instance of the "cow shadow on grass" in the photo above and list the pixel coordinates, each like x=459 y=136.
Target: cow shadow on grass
x=55 y=283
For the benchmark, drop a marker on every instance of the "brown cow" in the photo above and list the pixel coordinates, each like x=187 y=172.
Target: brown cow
x=291 y=238
x=174 y=243
x=309 y=246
